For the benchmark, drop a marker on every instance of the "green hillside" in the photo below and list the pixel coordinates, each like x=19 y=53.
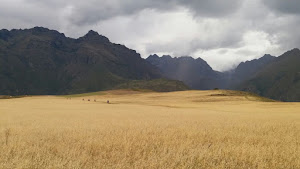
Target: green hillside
x=158 y=85
x=278 y=80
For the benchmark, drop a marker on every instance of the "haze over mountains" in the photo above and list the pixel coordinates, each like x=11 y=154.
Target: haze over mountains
x=248 y=69
x=197 y=74
x=273 y=77
x=43 y=61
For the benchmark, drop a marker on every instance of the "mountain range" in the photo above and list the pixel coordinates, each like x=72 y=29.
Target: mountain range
x=280 y=79
x=42 y=61
x=273 y=77
x=195 y=73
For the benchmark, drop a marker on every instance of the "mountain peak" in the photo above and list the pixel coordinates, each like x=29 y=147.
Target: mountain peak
x=268 y=56
x=40 y=29
x=95 y=37
x=154 y=56
x=295 y=50
x=294 y=53
x=92 y=33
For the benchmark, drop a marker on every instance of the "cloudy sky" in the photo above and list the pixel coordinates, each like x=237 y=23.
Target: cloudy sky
x=222 y=32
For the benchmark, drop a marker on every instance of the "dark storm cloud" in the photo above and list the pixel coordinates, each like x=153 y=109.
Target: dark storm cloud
x=93 y=11
x=284 y=6
x=223 y=32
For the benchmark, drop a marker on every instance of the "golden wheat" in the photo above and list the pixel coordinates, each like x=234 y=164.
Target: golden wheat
x=190 y=129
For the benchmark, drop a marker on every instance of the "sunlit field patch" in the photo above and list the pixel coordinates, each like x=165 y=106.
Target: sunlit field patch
x=190 y=129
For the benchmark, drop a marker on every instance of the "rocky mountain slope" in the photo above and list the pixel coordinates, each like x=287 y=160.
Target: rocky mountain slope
x=268 y=76
x=279 y=79
x=43 y=61
x=195 y=73
x=246 y=70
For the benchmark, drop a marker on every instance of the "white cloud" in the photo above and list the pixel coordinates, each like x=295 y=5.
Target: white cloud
x=255 y=45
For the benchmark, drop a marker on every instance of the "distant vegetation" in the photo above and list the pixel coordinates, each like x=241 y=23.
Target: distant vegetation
x=10 y=97
x=158 y=85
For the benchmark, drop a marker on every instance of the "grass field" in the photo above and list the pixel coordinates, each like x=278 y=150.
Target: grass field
x=190 y=129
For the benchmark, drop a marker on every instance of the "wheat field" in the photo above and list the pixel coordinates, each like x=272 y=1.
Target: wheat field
x=190 y=129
